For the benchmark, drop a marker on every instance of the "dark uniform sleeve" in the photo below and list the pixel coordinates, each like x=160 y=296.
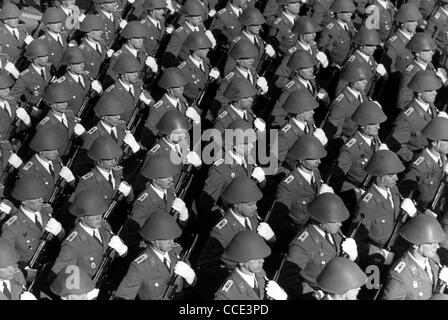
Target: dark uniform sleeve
x=131 y=283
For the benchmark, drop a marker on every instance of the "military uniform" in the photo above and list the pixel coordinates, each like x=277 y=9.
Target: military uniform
x=31 y=85
x=77 y=88
x=197 y=78
x=7 y=119
x=386 y=19
x=320 y=12
x=227 y=115
x=155 y=36
x=358 y=58
x=439 y=20
x=131 y=100
x=110 y=26
x=236 y=288
x=175 y=50
x=100 y=130
x=17 y=284
x=281 y=28
x=226 y=26
x=10 y=44
x=260 y=44
x=404 y=93
x=125 y=51
x=336 y=41
x=56 y=47
x=94 y=58
x=224 y=83
x=399 y=57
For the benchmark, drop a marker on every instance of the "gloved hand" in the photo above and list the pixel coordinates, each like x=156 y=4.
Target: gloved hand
x=193 y=115
x=388 y=256
x=322 y=57
x=110 y=53
x=442 y=114
x=169 y=29
x=96 y=85
x=184 y=270
x=212 y=13
x=274 y=291
x=11 y=68
x=262 y=84
x=360 y=192
x=443 y=274
x=260 y=124
x=66 y=174
x=441 y=74
x=214 y=73
x=383 y=146
x=131 y=1
x=258 y=174
x=26 y=295
x=322 y=94
x=23 y=115
x=269 y=50
x=93 y=294
x=53 y=226
x=28 y=39
x=324 y=188
x=211 y=37
x=170 y=7
x=349 y=246
x=5 y=208
x=145 y=97
x=194 y=159
x=320 y=134
x=265 y=231
x=122 y=24
x=79 y=129
x=117 y=244
x=124 y=188
x=381 y=70
x=15 y=160
x=431 y=213
x=179 y=206
x=81 y=17
x=152 y=64
x=131 y=142
x=409 y=207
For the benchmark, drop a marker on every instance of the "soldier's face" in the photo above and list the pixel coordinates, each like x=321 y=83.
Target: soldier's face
x=410 y=26
x=241 y=3
x=428 y=96
x=428 y=250
x=41 y=61
x=51 y=155
x=368 y=50
x=8 y=272
x=310 y=164
x=344 y=16
x=202 y=53
x=34 y=204
x=426 y=55
x=13 y=23
x=68 y=3
x=306 y=116
x=360 y=85
x=164 y=183
x=254 y=266
x=194 y=20
x=442 y=146
x=389 y=180
x=331 y=227
x=55 y=27
x=254 y=29
x=108 y=164
x=96 y=35
x=308 y=37
x=246 y=62
x=158 y=14
x=248 y=209
x=108 y=7
x=77 y=68
x=60 y=107
x=4 y=93
x=372 y=130
x=131 y=77
x=112 y=120
x=306 y=73
x=176 y=92
x=177 y=135
x=165 y=245
x=137 y=43
x=93 y=221
x=352 y=294
x=246 y=103
x=294 y=8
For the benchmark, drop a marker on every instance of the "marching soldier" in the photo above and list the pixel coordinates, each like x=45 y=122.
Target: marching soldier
x=385 y=18
x=248 y=280
x=226 y=25
x=111 y=19
x=72 y=17
x=415 y=276
x=154 y=21
x=426 y=8
x=64 y=284
x=438 y=30
x=320 y=242
x=321 y=12
x=12 y=36
x=282 y=27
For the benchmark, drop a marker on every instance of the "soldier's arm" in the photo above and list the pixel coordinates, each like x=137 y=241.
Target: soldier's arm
x=362 y=235
x=290 y=279
x=19 y=88
x=131 y=283
x=67 y=256
x=401 y=135
x=209 y=261
x=409 y=181
x=395 y=288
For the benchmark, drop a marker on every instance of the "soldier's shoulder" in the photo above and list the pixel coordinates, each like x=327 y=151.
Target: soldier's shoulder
x=221 y=224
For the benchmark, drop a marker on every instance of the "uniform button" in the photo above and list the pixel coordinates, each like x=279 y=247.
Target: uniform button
x=46 y=182
x=323 y=262
x=303 y=202
x=52 y=53
x=431 y=182
x=415 y=284
x=156 y=284
x=92 y=64
x=420 y=294
x=383 y=221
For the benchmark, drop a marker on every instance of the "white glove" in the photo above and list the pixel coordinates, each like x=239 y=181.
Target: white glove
x=145 y=97
x=15 y=160
x=23 y=115
x=179 y=206
x=93 y=294
x=184 y=270
x=66 y=174
x=123 y=24
x=110 y=53
x=443 y=275
x=194 y=159
x=325 y=188
x=383 y=146
x=151 y=63
x=442 y=114
x=262 y=84
x=81 y=17
x=388 y=256
x=265 y=231
x=96 y=85
x=193 y=115
x=79 y=129
x=441 y=74
x=349 y=246
x=28 y=39
x=11 y=68
x=322 y=57
x=124 y=188
x=269 y=50
x=169 y=29
x=131 y=1
x=381 y=70
x=409 y=207
x=211 y=37
x=26 y=295
x=131 y=142
x=258 y=174
x=321 y=95
x=431 y=213
x=117 y=244
x=5 y=208
x=275 y=291
x=212 y=13
x=214 y=73
x=260 y=124
x=320 y=134
x=53 y=226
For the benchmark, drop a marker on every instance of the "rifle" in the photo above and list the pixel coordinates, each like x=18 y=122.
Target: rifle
x=60 y=183
x=434 y=205
x=441 y=285
x=352 y=234
x=173 y=282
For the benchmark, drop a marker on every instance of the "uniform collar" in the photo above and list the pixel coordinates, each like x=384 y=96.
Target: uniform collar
x=93 y=43
x=424 y=106
x=367 y=139
x=162 y=256
x=354 y=92
x=132 y=50
x=196 y=62
x=191 y=27
x=43 y=162
x=90 y=231
x=239 y=160
x=31 y=214
x=160 y=193
x=249 y=278
x=421 y=64
x=299 y=123
x=364 y=56
x=291 y=18
x=405 y=34
x=173 y=101
x=238 y=111
x=383 y=192
x=433 y=157
x=240 y=219
x=236 y=10
x=305 y=175
x=384 y=4
x=105 y=173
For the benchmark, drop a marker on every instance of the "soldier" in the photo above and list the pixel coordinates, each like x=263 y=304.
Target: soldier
x=154 y=21
x=72 y=17
x=12 y=36
x=12 y=280
x=150 y=273
x=25 y=228
x=32 y=81
x=53 y=37
x=93 y=44
x=111 y=20
x=406 y=138
x=415 y=276
x=380 y=207
x=321 y=12
x=76 y=78
x=437 y=29
x=91 y=236
x=248 y=280
x=240 y=197
x=64 y=284
x=341 y=279
x=226 y=25
x=385 y=12
x=320 y=242
x=426 y=8
x=282 y=27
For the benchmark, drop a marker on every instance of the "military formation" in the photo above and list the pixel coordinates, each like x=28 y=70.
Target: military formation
x=228 y=150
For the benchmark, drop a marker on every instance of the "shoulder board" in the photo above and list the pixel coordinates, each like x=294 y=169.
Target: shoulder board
x=28 y=165
x=60 y=80
x=227 y=286
x=419 y=161
x=277 y=21
x=230 y=75
x=92 y=130
x=116 y=54
x=143 y=196
x=155 y=148
x=400 y=267
x=24 y=72
x=222 y=10
x=11 y=220
x=409 y=111
x=183 y=64
x=286 y=128
x=289 y=84
x=352 y=58
x=158 y=104
x=292 y=50
x=42 y=37
x=236 y=39
x=437 y=16
x=367 y=197
x=179 y=29
x=392 y=39
x=87 y=176
x=221 y=224
x=44 y=121
x=289 y=179
x=222 y=114
x=351 y=142
x=219 y=162
x=110 y=88
x=340 y=96
x=410 y=67
x=72 y=236
x=331 y=25
x=303 y=236
x=141 y=258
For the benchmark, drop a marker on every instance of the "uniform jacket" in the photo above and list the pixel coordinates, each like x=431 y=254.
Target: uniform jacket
x=18 y=282
x=224 y=83
x=159 y=109
x=197 y=78
x=130 y=100
x=357 y=58
x=10 y=44
x=404 y=93
x=79 y=92
x=227 y=115
x=226 y=25
x=93 y=57
x=51 y=122
x=125 y=52
x=231 y=63
x=56 y=48
x=110 y=27
x=236 y=288
x=30 y=85
x=153 y=40
x=398 y=55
